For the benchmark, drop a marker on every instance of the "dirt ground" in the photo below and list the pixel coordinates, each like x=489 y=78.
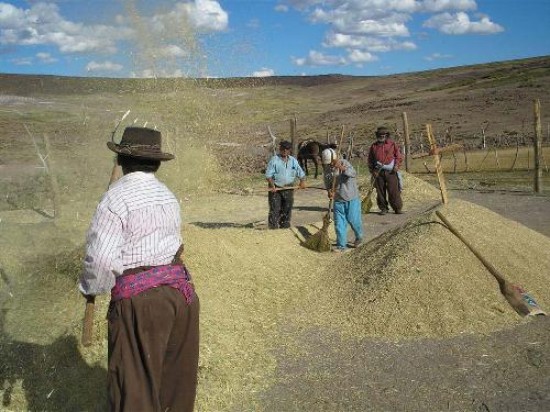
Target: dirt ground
x=504 y=371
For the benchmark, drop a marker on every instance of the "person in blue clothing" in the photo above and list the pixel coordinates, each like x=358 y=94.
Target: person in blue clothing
x=340 y=175
x=281 y=173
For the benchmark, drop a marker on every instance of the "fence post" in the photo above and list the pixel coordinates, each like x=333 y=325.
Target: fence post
x=293 y=139
x=538 y=148
x=407 y=141
x=437 y=161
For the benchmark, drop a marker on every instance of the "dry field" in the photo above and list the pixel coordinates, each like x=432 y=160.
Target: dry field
x=409 y=321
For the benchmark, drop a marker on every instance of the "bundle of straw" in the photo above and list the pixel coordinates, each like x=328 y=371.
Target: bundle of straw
x=320 y=241
x=366 y=203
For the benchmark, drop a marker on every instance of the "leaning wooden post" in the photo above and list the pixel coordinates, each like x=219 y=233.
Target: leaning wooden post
x=293 y=139
x=407 y=141
x=538 y=148
x=434 y=151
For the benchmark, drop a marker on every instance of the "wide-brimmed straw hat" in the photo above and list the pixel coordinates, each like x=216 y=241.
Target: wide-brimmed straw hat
x=142 y=143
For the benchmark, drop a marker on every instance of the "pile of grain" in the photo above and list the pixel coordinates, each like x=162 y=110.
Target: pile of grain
x=421 y=281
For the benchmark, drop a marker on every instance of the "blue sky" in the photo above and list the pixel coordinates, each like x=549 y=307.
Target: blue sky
x=217 y=38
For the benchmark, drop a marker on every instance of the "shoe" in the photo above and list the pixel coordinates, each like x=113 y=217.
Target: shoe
x=382 y=212
x=340 y=250
x=358 y=242
x=398 y=212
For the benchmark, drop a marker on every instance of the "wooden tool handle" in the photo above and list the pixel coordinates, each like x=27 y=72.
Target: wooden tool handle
x=488 y=265
x=88 y=325
x=278 y=189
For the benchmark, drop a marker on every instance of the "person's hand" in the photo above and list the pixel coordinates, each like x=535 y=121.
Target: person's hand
x=341 y=167
x=330 y=194
x=89 y=298
x=302 y=184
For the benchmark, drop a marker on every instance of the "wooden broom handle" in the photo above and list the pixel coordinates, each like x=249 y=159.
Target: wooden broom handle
x=88 y=326
x=488 y=265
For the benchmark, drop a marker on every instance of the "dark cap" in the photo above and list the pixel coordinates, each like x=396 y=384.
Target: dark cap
x=382 y=131
x=285 y=144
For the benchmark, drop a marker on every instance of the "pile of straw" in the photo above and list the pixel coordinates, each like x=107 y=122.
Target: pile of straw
x=421 y=281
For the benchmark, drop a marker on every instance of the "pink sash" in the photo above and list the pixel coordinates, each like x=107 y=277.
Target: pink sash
x=175 y=276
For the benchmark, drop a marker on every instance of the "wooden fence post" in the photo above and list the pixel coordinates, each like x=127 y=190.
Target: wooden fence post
x=407 y=141
x=538 y=148
x=437 y=162
x=293 y=139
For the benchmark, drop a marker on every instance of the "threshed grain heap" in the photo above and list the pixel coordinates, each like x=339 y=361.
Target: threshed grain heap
x=421 y=281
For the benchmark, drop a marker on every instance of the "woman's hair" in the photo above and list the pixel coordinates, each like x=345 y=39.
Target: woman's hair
x=133 y=164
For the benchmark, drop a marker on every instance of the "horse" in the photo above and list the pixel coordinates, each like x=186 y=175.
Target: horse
x=311 y=150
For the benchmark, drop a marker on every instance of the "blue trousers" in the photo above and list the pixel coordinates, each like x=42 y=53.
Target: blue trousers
x=344 y=213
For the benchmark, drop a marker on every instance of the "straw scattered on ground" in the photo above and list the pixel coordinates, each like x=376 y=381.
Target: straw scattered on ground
x=415 y=282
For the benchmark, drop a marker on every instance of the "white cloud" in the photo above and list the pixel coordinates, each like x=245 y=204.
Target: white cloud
x=370 y=43
x=105 y=66
x=316 y=58
x=459 y=23
x=363 y=27
x=171 y=50
x=358 y=56
x=281 y=8
x=263 y=72
x=42 y=25
x=46 y=58
x=204 y=15
x=437 y=6
x=253 y=24
x=166 y=35
x=438 y=56
x=23 y=61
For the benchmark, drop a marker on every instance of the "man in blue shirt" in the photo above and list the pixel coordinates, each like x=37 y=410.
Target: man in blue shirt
x=281 y=174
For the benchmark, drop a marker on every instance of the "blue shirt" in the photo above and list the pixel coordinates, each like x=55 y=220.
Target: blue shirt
x=284 y=173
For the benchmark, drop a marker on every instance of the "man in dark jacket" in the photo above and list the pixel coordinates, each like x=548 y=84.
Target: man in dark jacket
x=384 y=161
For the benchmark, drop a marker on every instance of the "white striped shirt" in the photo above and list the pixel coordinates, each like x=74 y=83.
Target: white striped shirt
x=137 y=223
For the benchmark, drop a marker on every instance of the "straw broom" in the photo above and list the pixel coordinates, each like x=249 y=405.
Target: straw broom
x=366 y=203
x=320 y=241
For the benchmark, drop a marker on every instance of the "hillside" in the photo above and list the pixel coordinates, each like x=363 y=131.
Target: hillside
x=407 y=321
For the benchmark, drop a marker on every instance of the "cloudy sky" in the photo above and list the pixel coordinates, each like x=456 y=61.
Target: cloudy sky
x=217 y=38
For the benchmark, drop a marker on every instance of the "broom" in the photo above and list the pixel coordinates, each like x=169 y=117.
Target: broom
x=366 y=203
x=320 y=241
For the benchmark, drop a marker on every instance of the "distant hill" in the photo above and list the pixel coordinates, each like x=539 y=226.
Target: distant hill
x=524 y=72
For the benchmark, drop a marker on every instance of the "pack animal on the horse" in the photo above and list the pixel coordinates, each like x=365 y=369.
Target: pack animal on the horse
x=311 y=150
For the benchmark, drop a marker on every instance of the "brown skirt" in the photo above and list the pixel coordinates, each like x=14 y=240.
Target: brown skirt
x=153 y=343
